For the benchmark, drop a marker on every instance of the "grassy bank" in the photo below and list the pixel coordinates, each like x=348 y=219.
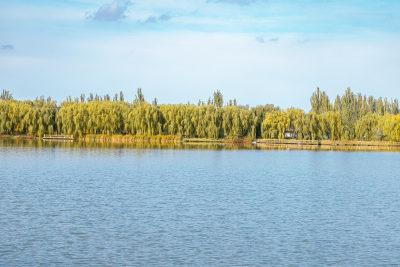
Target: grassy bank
x=262 y=143
x=352 y=143
x=118 y=138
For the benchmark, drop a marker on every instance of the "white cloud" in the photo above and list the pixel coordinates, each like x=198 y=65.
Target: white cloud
x=7 y=47
x=237 y=2
x=155 y=19
x=112 y=12
x=261 y=39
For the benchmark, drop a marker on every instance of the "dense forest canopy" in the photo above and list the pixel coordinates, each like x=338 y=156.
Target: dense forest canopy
x=349 y=117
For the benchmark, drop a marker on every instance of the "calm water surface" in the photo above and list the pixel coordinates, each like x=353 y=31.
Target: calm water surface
x=116 y=206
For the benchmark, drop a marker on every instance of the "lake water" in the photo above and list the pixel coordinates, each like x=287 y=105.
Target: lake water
x=67 y=205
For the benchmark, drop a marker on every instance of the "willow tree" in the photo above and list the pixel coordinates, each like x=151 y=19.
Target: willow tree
x=275 y=124
x=296 y=121
x=367 y=126
x=391 y=127
x=330 y=125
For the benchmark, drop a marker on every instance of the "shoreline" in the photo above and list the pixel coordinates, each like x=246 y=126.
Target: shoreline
x=282 y=144
x=352 y=143
x=131 y=139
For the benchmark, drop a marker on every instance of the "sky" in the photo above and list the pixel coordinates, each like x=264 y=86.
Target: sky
x=257 y=51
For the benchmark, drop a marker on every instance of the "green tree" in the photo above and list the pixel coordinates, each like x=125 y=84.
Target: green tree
x=5 y=95
x=218 y=99
x=366 y=126
x=320 y=102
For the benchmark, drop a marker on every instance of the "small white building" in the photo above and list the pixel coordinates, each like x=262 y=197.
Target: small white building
x=290 y=134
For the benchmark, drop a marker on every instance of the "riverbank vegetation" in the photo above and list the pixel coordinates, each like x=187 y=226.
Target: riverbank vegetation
x=349 y=117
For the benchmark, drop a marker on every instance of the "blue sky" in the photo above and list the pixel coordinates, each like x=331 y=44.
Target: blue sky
x=258 y=51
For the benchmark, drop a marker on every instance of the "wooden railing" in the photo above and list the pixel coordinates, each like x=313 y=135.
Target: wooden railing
x=58 y=137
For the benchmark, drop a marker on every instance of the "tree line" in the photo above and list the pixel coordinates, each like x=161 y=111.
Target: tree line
x=350 y=117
